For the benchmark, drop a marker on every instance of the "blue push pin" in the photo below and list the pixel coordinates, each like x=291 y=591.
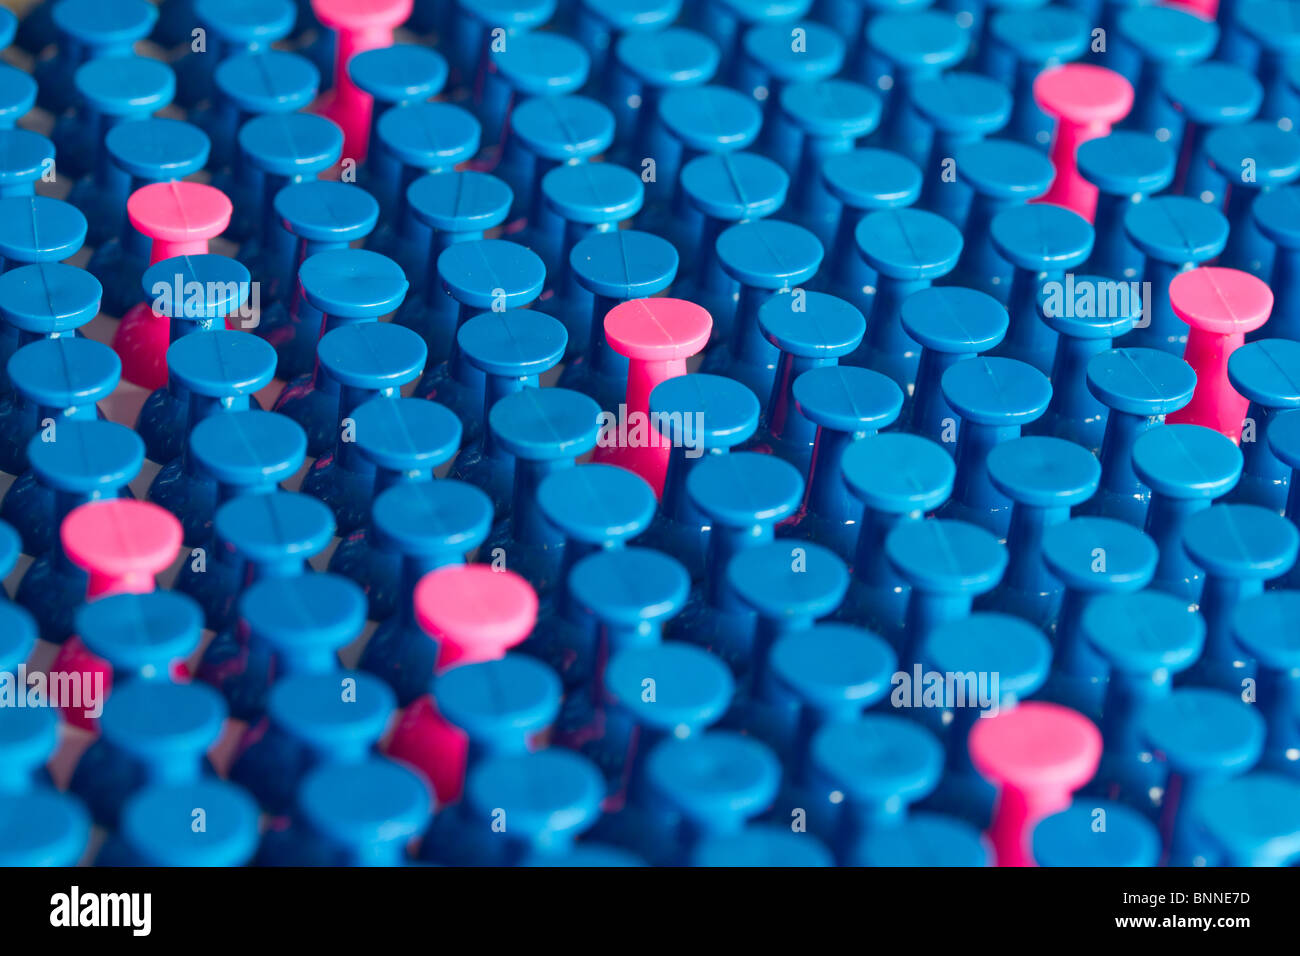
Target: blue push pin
x=365 y=813
x=530 y=65
x=825 y=120
x=1262 y=628
x=230 y=29
x=1186 y=467
x=38 y=229
x=393 y=76
x=1087 y=313
x=925 y=839
x=349 y=287
x=898 y=478
x=247 y=86
x=455 y=207
x=983 y=644
x=88 y=30
x=812 y=331
x=359 y=363
x=1044 y=478
x=1174 y=233
x=1251 y=820
x=600 y=25
x=1266 y=371
x=42 y=827
x=1207 y=96
x=502 y=706
x=141 y=635
x=950 y=323
x=908 y=249
x=705 y=416
x=1284 y=440
x=861 y=182
x=730 y=22
x=1155 y=43
x=1072 y=837
x=762 y=846
x=904 y=49
x=842 y=405
x=946 y=564
x=314 y=719
x=1126 y=167
x=1239 y=547
x=418 y=527
x=1250 y=160
x=1274 y=214
x=1023 y=43
x=960 y=108
x=156 y=822
x=1090 y=557
x=17 y=96
x=1144 y=639
x=879 y=765
x=472 y=23
x=1199 y=738
x=995 y=398
x=279 y=150
x=1274 y=29
x=43 y=300
x=764 y=257
x=1043 y=242
x=647 y=66
x=1001 y=175
x=25 y=159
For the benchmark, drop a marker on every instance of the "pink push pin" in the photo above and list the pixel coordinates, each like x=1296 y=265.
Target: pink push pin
x=1038 y=754
x=179 y=218
x=124 y=544
x=359 y=25
x=1085 y=101
x=657 y=336
x=1220 y=306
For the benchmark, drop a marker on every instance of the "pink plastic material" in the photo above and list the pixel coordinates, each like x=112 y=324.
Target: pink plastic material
x=426 y=740
x=1219 y=306
x=1085 y=101
x=180 y=218
x=360 y=25
x=1038 y=754
x=124 y=544
x=657 y=336
x=474 y=612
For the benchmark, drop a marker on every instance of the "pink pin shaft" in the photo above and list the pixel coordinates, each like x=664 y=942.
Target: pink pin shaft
x=426 y=740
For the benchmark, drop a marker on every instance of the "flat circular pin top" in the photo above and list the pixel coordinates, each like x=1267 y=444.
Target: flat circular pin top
x=996 y=391
x=1220 y=301
x=247 y=20
x=125 y=85
x=830 y=108
x=1036 y=745
x=962 y=103
x=710 y=119
x=1272 y=153
x=320 y=211
x=28 y=737
x=693 y=688
x=103 y=24
x=195 y=714
x=762 y=846
x=430 y=135
x=729 y=411
x=872 y=178
x=158 y=148
x=515 y=14
x=1071 y=837
x=1284 y=437
x=17 y=94
x=432 y=517
x=1127 y=162
x=313 y=708
x=545 y=424
x=42 y=827
x=17 y=635
x=399 y=73
x=733 y=187
x=596 y=503
x=1044 y=472
x=657 y=329
x=563 y=128
x=926 y=839
x=1277 y=214
x=909 y=244
x=745 y=488
x=1199 y=731
x=830 y=665
x=1167 y=35
x=782 y=580
x=66 y=372
x=1187 y=461
x=89 y=456
x=48 y=297
x=514 y=343
x=714 y=776
x=222 y=285
x=362 y=14
x=593 y=193
x=221 y=362
x=542 y=63
x=1253 y=817
x=1271 y=24
x=878 y=758
x=179 y=211
x=1264 y=626
x=458 y=201
x=1145 y=382
x=304 y=613
x=1004 y=169
x=924 y=38
x=897 y=473
x=1042 y=34
x=1214 y=93
x=991 y=643
x=142 y=633
x=1041 y=236
x=275 y=526
x=1083 y=93
x=1267 y=371
x=353 y=283
x=1144 y=631
x=633 y=15
x=671 y=57
x=954 y=320
x=1071 y=549
x=821 y=54
x=406 y=434
x=823 y=326
x=947 y=556
x=291 y=144
x=249 y=447
x=769 y=254
x=24 y=155
x=490 y=700
x=476 y=612
x=269 y=81
x=40 y=229
x=1114 y=316
x=624 y=263
x=479 y=272
x=371 y=355
x=847 y=398
x=365 y=805
x=552 y=792
x=1177 y=229
x=1241 y=541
